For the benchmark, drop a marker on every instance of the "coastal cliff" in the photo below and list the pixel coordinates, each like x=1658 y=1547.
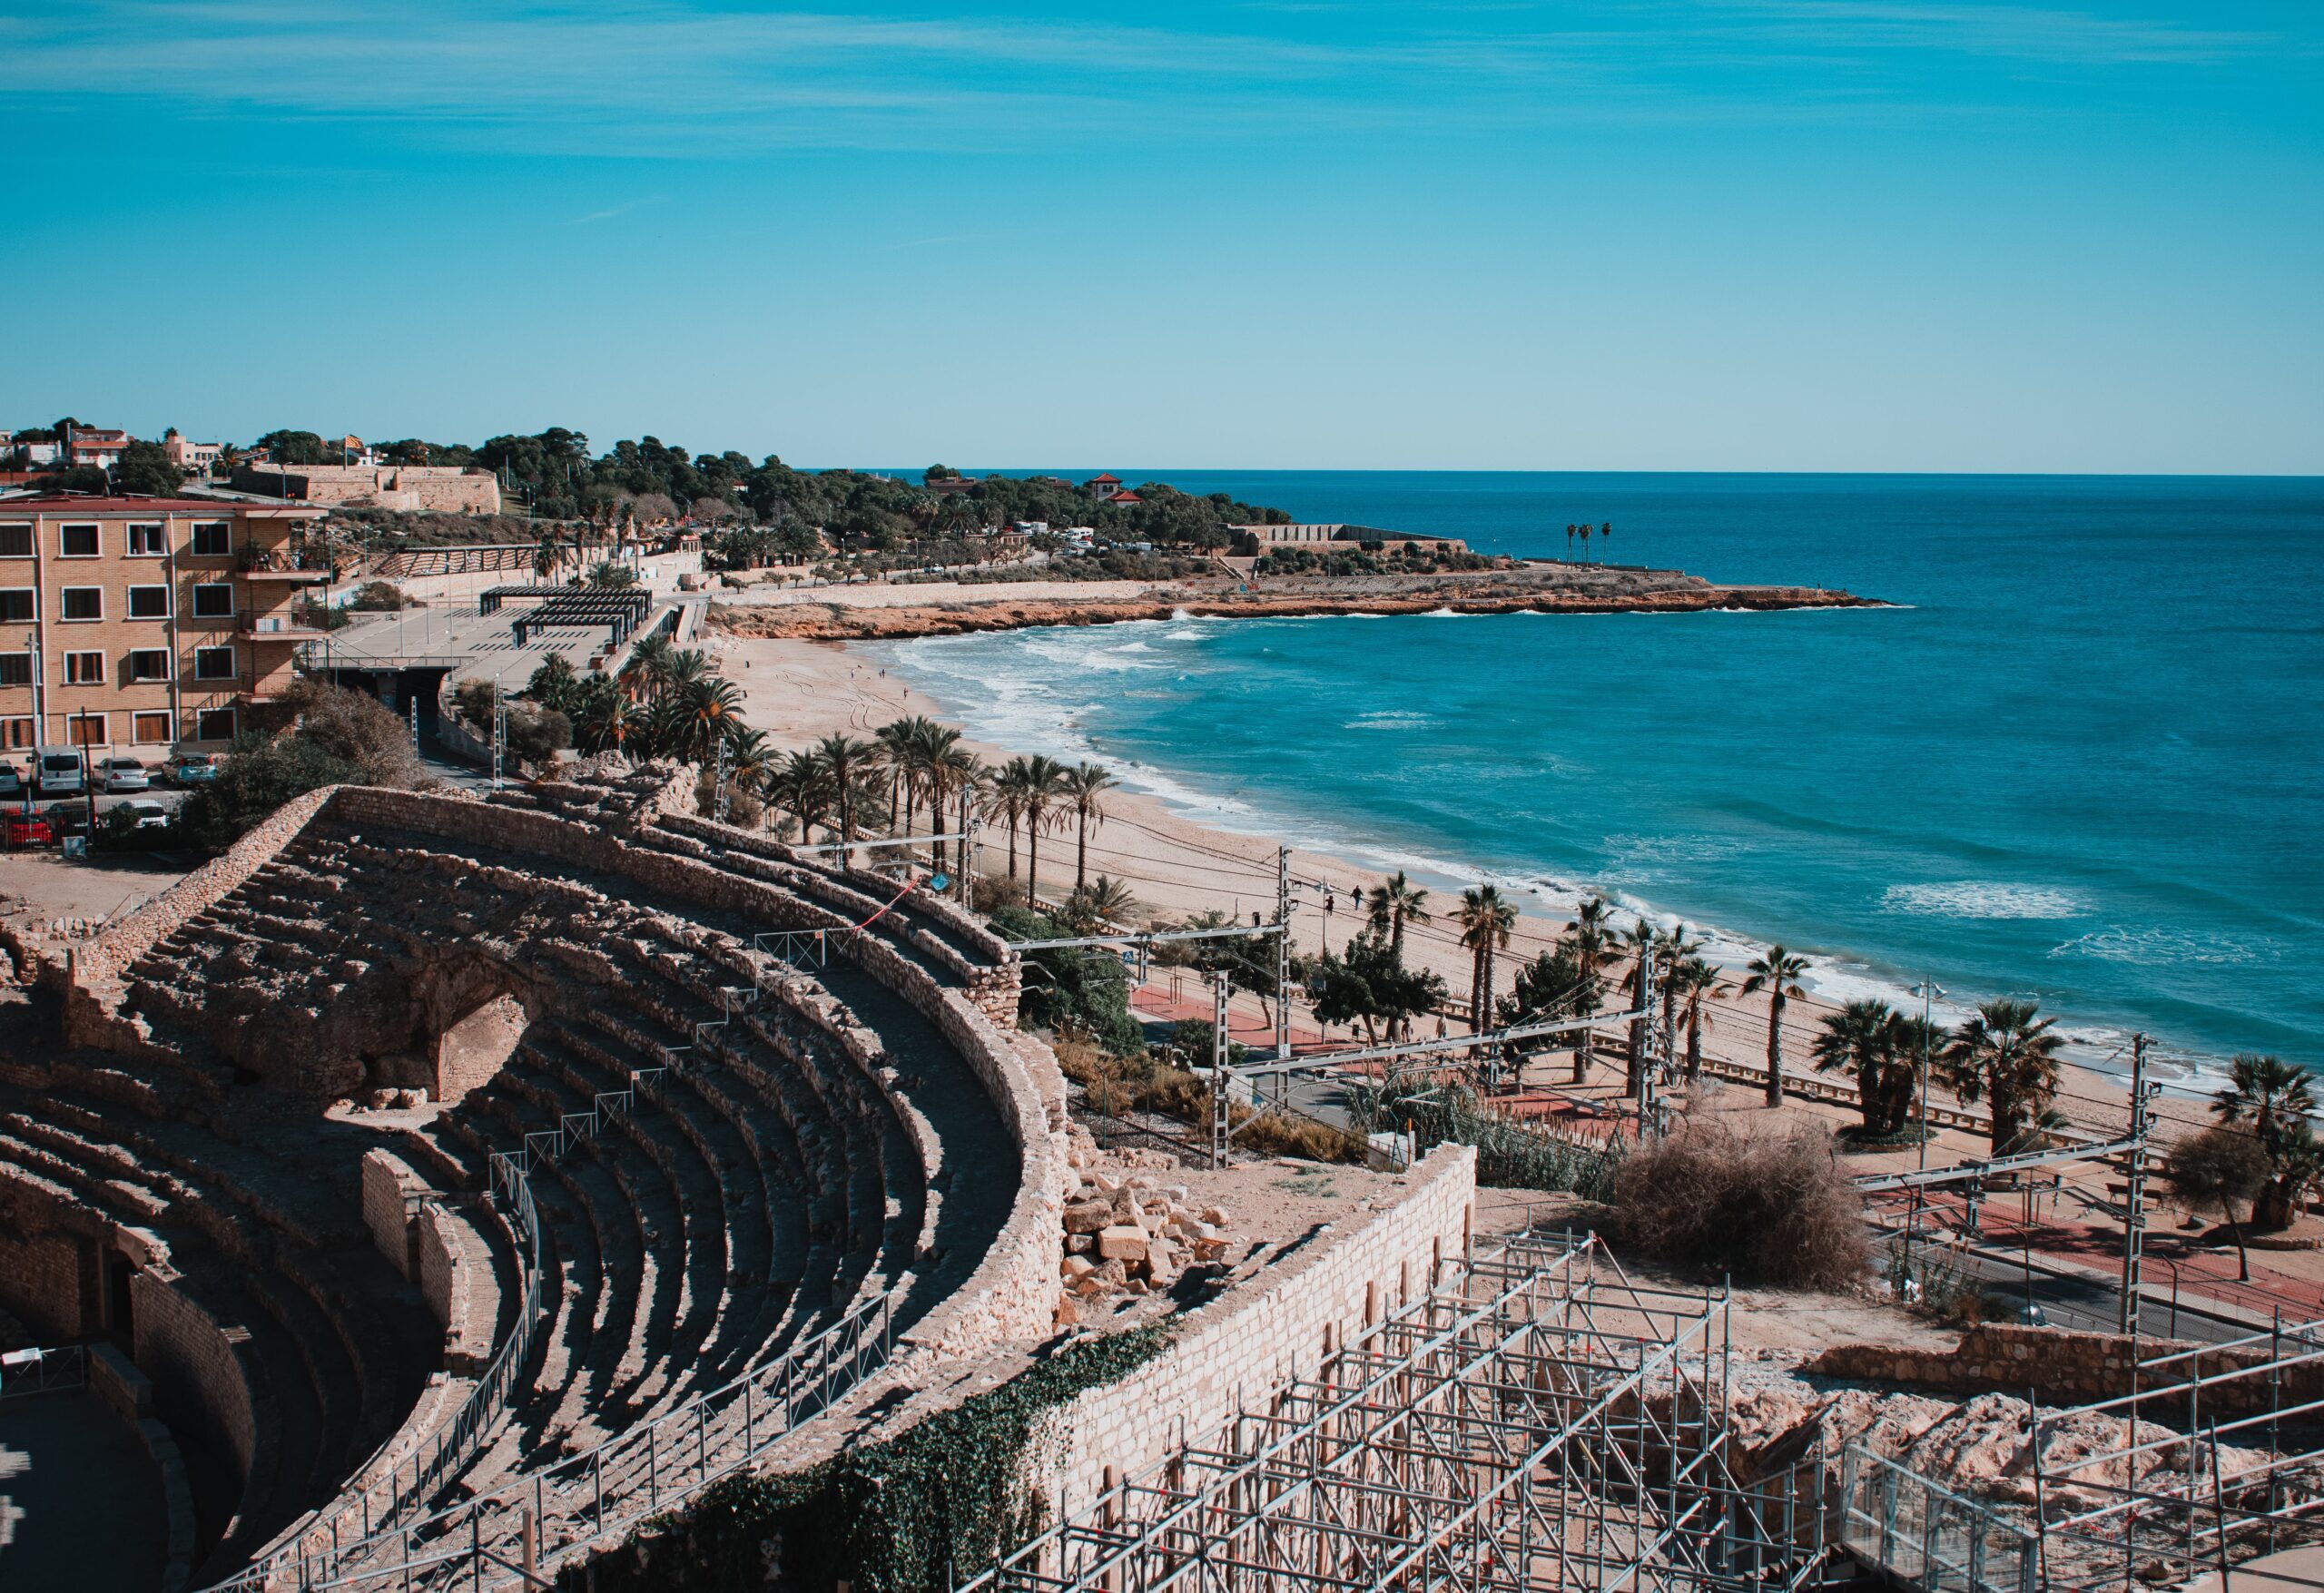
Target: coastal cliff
x=847 y=615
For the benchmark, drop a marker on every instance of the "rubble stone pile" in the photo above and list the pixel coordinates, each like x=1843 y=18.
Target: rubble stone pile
x=1130 y=1229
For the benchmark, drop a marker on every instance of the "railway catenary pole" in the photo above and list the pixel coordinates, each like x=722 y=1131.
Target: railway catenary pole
x=2134 y=1197
x=1282 y=953
x=1219 y=1110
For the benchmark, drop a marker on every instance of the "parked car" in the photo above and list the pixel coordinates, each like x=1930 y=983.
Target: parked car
x=19 y=830
x=191 y=769
x=149 y=814
x=58 y=771
x=12 y=782
x=124 y=774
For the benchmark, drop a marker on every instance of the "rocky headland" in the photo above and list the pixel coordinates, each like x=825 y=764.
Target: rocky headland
x=850 y=614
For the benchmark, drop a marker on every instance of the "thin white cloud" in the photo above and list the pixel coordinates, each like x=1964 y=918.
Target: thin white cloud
x=664 y=78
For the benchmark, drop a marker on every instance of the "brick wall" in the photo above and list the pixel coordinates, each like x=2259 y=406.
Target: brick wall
x=1256 y=1341
x=452 y=1265
x=201 y=1382
x=44 y=1272
x=386 y=1180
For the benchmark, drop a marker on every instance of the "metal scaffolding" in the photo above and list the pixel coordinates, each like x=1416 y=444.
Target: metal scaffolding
x=1535 y=1421
x=2218 y=1461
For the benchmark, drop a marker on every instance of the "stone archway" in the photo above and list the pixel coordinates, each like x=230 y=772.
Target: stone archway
x=471 y=1011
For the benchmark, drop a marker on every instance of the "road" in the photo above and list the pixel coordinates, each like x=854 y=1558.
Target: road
x=2069 y=1298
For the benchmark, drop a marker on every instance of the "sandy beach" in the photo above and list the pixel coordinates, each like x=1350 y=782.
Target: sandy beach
x=799 y=691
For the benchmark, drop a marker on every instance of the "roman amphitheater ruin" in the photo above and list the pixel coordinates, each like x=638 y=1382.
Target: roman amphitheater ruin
x=454 y=1191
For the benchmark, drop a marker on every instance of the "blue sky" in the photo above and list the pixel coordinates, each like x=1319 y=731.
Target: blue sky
x=1734 y=234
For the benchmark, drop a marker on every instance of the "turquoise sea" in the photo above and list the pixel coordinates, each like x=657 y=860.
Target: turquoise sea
x=2082 y=761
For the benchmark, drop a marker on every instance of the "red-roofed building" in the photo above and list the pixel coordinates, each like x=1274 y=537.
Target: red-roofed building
x=1125 y=497
x=99 y=446
x=1102 y=486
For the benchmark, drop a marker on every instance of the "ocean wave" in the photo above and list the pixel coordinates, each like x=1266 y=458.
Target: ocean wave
x=1981 y=898
x=2160 y=947
x=1390 y=719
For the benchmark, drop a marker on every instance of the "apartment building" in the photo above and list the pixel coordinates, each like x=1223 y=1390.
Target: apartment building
x=146 y=624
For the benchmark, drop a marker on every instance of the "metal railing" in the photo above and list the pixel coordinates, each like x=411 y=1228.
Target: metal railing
x=45 y=1371
x=607 y=1489
x=1927 y=1536
x=353 y=1516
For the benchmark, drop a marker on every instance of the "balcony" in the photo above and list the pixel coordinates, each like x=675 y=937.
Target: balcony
x=279 y=624
x=285 y=563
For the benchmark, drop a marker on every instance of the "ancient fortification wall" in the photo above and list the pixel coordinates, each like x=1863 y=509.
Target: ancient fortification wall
x=1284 y=1330
x=2062 y=1367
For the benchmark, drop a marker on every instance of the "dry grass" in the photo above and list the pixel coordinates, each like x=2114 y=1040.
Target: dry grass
x=1765 y=1207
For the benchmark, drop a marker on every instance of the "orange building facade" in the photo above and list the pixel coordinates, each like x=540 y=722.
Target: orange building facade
x=147 y=625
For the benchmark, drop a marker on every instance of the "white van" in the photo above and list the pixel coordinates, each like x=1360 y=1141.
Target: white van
x=58 y=771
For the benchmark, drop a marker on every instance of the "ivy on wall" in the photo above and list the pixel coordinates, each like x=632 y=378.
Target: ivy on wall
x=911 y=1514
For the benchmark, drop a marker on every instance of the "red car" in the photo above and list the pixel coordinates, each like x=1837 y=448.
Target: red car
x=19 y=830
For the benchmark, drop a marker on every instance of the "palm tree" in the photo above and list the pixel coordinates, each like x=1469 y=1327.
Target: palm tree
x=1103 y=901
x=750 y=760
x=2005 y=1056
x=1606 y=532
x=648 y=671
x=804 y=785
x=1588 y=939
x=2269 y=1099
x=1698 y=985
x=1585 y=542
x=1671 y=955
x=1861 y=1039
x=1777 y=973
x=701 y=713
x=1007 y=801
x=846 y=760
x=1083 y=783
x=1045 y=789
x=1485 y=918
x=608 y=721
x=1569 y=541
x=1395 y=903
x=954 y=771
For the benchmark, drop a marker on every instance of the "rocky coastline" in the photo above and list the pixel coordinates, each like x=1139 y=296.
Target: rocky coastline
x=1554 y=589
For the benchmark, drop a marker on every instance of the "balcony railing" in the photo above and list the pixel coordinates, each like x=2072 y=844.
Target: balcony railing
x=279 y=624
x=285 y=563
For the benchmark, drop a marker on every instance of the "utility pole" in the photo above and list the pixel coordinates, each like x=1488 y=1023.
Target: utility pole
x=499 y=731
x=718 y=787
x=970 y=860
x=1928 y=991
x=2134 y=1200
x=1641 y=1062
x=415 y=722
x=1282 y=954
x=1220 y=1121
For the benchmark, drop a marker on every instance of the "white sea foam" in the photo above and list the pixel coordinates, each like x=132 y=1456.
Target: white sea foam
x=1980 y=899
x=2161 y=947
x=1391 y=720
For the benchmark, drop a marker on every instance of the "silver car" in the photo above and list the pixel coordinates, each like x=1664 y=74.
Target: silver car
x=124 y=774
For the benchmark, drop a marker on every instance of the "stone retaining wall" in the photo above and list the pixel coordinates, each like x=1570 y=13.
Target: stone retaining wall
x=1258 y=1340
x=203 y=1383
x=2066 y=1368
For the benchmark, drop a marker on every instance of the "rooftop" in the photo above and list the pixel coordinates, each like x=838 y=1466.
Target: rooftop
x=130 y=504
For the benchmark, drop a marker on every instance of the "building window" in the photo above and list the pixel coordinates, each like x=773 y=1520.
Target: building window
x=145 y=542
x=77 y=542
x=152 y=730
x=149 y=663
x=214 y=600
x=149 y=603
x=214 y=724
x=213 y=664
x=84 y=669
x=16 y=541
x=213 y=539
x=21 y=735
x=16 y=604
x=86 y=730
x=16 y=669
x=82 y=603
